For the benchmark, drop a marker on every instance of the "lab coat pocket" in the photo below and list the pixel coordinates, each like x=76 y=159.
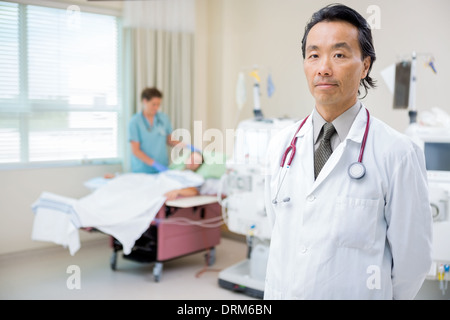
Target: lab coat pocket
x=355 y=222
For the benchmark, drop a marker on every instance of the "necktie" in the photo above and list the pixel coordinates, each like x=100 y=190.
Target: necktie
x=324 y=151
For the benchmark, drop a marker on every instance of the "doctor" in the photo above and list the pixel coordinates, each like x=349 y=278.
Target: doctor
x=343 y=230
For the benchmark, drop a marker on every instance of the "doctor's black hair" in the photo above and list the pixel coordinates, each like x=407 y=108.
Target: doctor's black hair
x=340 y=12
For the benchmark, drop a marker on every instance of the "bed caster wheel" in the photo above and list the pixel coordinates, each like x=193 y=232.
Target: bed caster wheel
x=113 y=261
x=211 y=257
x=157 y=271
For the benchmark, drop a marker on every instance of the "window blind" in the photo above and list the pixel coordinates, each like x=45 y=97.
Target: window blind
x=9 y=51
x=59 y=92
x=9 y=82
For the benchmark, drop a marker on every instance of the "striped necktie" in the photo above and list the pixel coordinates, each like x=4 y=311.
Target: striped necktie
x=324 y=151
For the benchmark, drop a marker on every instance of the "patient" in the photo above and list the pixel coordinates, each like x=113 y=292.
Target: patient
x=193 y=162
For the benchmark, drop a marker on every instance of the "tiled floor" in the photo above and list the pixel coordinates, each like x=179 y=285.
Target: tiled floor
x=43 y=274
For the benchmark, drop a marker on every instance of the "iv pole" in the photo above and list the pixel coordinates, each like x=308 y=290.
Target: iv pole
x=412 y=84
x=412 y=91
x=257 y=112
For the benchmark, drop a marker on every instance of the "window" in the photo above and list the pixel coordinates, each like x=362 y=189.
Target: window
x=59 y=85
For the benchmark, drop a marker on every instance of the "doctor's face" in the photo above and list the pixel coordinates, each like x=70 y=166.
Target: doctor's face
x=151 y=106
x=333 y=64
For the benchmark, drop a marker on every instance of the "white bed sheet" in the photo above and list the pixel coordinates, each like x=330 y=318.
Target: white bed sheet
x=125 y=206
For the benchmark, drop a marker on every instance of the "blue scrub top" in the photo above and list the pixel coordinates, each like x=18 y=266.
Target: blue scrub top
x=152 y=139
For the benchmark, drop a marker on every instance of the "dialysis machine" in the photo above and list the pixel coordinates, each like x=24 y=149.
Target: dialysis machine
x=435 y=141
x=243 y=207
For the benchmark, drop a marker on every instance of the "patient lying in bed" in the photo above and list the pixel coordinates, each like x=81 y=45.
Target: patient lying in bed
x=192 y=162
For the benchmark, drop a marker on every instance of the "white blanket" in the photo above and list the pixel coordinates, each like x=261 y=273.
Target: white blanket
x=125 y=206
x=54 y=221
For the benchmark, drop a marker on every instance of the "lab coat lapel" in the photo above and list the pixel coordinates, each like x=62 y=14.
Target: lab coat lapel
x=356 y=134
x=305 y=155
x=329 y=165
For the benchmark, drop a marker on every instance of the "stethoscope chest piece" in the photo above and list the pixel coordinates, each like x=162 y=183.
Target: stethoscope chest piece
x=356 y=170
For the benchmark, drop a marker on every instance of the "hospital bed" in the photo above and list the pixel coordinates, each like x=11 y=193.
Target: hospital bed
x=181 y=227
x=121 y=209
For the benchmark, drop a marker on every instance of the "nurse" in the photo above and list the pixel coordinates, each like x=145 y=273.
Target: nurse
x=340 y=230
x=150 y=134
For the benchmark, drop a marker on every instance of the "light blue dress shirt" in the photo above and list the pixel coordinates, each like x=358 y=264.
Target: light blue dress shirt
x=152 y=139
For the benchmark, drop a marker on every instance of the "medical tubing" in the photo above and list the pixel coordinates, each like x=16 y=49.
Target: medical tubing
x=363 y=146
x=190 y=221
x=206 y=223
x=222 y=201
x=224 y=211
x=292 y=148
x=280 y=184
x=201 y=225
x=219 y=191
x=208 y=255
x=213 y=219
x=193 y=149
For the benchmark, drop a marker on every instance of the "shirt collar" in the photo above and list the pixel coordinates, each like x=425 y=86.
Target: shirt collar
x=342 y=124
x=147 y=123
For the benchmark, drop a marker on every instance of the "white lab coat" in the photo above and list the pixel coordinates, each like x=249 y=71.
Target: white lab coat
x=341 y=238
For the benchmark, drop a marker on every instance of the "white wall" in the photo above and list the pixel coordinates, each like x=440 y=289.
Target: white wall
x=269 y=33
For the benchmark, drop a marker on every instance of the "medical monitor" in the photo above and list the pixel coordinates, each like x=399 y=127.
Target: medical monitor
x=437 y=157
x=435 y=143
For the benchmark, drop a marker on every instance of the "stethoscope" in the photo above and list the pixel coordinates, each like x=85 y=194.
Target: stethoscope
x=155 y=123
x=356 y=170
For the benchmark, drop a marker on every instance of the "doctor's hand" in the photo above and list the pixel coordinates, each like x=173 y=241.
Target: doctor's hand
x=158 y=166
x=172 y=195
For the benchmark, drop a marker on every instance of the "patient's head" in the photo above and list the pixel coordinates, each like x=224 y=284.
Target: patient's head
x=194 y=161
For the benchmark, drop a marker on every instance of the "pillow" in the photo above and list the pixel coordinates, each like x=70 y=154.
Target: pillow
x=213 y=167
x=178 y=163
